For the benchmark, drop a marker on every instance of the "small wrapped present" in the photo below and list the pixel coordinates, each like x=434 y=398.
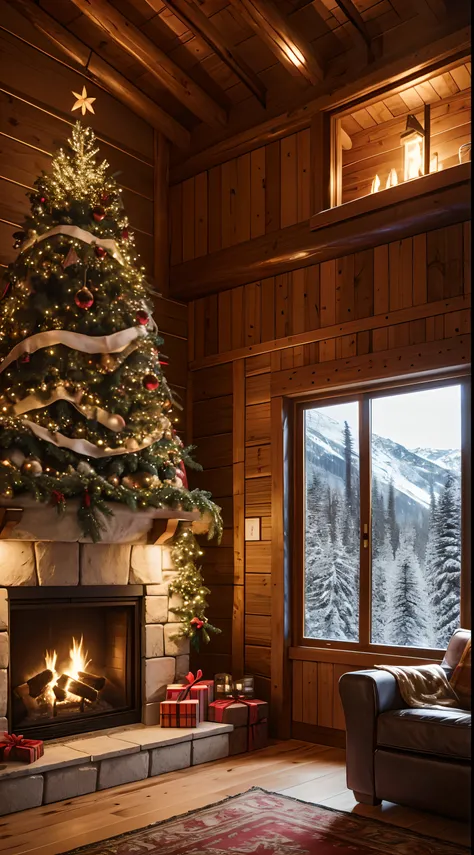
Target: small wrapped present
x=199 y=691
x=18 y=748
x=179 y=713
x=239 y=713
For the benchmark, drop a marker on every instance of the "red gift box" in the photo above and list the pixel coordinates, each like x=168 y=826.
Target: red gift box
x=248 y=737
x=18 y=748
x=200 y=690
x=238 y=713
x=179 y=713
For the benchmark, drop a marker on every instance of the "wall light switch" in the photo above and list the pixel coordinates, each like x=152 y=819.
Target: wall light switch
x=252 y=528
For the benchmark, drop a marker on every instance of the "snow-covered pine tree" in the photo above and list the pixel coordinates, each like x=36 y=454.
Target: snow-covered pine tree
x=378 y=518
x=429 y=563
x=447 y=563
x=316 y=534
x=338 y=604
x=392 y=518
x=382 y=589
x=408 y=622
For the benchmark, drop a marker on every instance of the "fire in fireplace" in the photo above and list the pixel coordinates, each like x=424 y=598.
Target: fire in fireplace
x=74 y=660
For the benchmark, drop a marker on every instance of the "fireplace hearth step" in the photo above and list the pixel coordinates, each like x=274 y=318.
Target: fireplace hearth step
x=73 y=767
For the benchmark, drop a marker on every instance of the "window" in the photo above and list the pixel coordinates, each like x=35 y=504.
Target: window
x=383 y=516
x=412 y=130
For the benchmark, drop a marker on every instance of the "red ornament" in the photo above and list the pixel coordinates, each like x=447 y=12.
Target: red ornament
x=104 y=197
x=151 y=382
x=98 y=214
x=100 y=251
x=43 y=200
x=25 y=358
x=125 y=234
x=197 y=622
x=84 y=298
x=57 y=498
x=142 y=317
x=86 y=499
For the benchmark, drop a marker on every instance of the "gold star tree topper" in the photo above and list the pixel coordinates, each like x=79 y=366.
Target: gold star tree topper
x=83 y=102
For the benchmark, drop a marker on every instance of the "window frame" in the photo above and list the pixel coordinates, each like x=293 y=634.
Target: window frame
x=363 y=395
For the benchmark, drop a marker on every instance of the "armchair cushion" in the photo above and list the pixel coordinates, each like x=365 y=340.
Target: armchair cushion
x=461 y=678
x=439 y=732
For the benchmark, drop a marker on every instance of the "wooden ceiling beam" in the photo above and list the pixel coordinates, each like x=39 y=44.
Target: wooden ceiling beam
x=153 y=59
x=101 y=72
x=353 y=15
x=200 y=25
x=279 y=34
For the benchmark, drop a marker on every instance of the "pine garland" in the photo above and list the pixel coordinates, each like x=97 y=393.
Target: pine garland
x=189 y=585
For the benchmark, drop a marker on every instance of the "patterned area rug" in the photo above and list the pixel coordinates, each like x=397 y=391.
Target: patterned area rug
x=262 y=823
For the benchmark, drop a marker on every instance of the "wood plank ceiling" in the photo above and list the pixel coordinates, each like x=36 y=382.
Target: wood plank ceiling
x=207 y=69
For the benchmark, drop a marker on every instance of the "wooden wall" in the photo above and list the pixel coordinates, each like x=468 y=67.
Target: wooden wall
x=35 y=120
x=399 y=308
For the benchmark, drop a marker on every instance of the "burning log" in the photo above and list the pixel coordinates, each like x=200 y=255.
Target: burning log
x=59 y=694
x=35 y=686
x=76 y=687
x=92 y=680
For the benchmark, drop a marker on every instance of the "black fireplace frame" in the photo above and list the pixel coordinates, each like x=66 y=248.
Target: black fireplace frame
x=129 y=595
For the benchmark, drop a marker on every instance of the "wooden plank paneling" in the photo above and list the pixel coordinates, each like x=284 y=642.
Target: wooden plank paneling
x=257 y=424
x=258 y=594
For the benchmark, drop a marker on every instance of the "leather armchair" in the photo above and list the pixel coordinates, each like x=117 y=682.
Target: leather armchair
x=412 y=756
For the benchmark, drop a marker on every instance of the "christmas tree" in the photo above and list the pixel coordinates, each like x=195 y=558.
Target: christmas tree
x=85 y=408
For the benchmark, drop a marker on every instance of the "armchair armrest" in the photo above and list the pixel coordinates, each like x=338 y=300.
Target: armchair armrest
x=364 y=695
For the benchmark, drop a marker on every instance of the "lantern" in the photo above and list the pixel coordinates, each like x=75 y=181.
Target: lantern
x=412 y=140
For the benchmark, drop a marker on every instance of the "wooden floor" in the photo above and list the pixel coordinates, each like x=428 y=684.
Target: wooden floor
x=313 y=773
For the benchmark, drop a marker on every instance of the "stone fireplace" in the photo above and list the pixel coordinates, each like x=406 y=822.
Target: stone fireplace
x=86 y=635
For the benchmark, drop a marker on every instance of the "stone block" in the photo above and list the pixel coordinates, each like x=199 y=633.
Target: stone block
x=175 y=602
x=182 y=667
x=4 y=649
x=156 y=609
x=157 y=673
x=123 y=770
x=3 y=608
x=145 y=565
x=100 y=747
x=210 y=748
x=169 y=758
x=57 y=563
x=150 y=714
x=3 y=691
x=17 y=563
x=68 y=783
x=152 y=640
x=160 y=590
x=174 y=646
x=3 y=725
x=166 y=561
x=105 y=563
x=20 y=794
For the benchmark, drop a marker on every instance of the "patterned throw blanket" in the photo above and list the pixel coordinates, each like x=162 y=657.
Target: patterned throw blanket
x=423 y=685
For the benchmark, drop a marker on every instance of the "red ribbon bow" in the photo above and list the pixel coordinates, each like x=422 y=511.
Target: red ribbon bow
x=191 y=680
x=12 y=741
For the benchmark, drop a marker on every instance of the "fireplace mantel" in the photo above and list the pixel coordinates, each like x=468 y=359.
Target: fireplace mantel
x=27 y=519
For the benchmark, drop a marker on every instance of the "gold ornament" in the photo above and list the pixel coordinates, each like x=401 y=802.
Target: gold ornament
x=114 y=480
x=83 y=103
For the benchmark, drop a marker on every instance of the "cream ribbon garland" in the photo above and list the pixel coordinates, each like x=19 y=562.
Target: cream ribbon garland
x=32 y=402
x=80 y=234
x=83 y=446
x=115 y=343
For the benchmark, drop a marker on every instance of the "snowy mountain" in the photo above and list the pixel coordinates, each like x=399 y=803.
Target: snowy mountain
x=448 y=458
x=413 y=471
